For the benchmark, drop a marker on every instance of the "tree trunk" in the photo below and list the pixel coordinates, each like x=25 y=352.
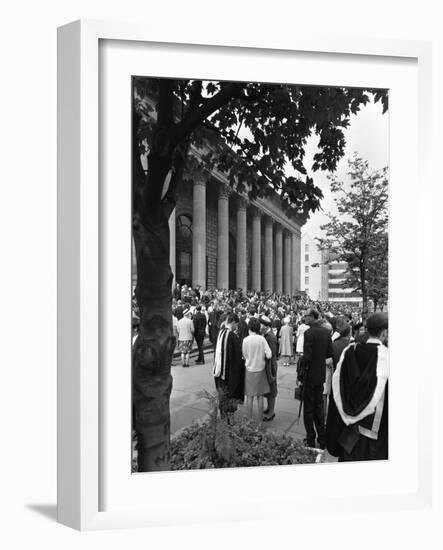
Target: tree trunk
x=153 y=349
x=364 y=291
x=152 y=206
x=154 y=346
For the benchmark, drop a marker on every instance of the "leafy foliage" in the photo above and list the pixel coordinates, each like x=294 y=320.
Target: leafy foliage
x=255 y=133
x=359 y=234
x=217 y=443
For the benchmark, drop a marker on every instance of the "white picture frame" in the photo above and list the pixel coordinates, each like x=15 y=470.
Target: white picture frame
x=80 y=411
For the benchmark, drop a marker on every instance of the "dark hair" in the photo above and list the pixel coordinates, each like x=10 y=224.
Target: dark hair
x=313 y=313
x=232 y=318
x=198 y=308
x=342 y=326
x=254 y=325
x=344 y=329
x=376 y=323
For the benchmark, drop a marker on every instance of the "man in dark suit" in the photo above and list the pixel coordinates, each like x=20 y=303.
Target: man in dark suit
x=339 y=344
x=317 y=348
x=177 y=293
x=242 y=325
x=199 y=333
x=214 y=317
x=271 y=368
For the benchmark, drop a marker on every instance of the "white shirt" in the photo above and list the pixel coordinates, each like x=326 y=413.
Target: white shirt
x=255 y=349
x=301 y=337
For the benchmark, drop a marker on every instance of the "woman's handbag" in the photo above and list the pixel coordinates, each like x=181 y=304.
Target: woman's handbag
x=298 y=392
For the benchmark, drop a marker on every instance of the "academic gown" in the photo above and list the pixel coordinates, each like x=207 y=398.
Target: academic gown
x=357 y=383
x=234 y=381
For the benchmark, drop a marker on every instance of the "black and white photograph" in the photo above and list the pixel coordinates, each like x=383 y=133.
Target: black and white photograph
x=226 y=231
x=259 y=274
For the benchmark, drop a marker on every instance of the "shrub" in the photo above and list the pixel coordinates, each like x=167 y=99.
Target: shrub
x=217 y=443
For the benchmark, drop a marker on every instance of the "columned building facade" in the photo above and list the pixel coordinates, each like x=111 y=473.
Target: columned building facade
x=220 y=239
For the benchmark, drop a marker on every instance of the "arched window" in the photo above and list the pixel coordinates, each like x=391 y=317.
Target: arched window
x=184 y=227
x=184 y=249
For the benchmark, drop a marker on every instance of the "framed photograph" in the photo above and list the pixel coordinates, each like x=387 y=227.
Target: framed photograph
x=224 y=214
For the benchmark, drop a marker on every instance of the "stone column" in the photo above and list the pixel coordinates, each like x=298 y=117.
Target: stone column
x=269 y=256
x=172 y=249
x=223 y=238
x=256 y=249
x=278 y=258
x=241 y=254
x=199 y=234
x=296 y=263
x=287 y=263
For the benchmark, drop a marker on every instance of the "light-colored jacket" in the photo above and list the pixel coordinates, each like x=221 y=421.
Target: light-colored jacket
x=255 y=350
x=185 y=328
x=286 y=340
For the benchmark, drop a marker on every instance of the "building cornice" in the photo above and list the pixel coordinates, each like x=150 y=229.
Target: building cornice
x=267 y=206
x=278 y=215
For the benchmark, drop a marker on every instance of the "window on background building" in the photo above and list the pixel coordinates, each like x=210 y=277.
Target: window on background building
x=306 y=269
x=184 y=227
x=306 y=280
x=184 y=249
x=306 y=247
x=185 y=267
x=306 y=257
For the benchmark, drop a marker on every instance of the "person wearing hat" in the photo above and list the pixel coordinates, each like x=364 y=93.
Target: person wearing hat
x=271 y=368
x=357 y=425
x=185 y=328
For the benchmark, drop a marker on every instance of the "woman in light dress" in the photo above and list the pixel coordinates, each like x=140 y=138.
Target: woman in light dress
x=286 y=343
x=255 y=351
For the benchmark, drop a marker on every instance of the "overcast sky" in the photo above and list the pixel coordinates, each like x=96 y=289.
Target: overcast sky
x=368 y=136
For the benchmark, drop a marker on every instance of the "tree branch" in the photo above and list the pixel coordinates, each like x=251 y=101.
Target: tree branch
x=195 y=118
x=245 y=154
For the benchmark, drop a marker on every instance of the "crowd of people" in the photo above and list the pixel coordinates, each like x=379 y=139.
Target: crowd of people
x=342 y=365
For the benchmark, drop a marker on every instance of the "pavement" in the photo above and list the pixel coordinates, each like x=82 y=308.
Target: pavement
x=187 y=405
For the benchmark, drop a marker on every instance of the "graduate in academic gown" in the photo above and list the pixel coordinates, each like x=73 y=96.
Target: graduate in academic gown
x=228 y=371
x=357 y=424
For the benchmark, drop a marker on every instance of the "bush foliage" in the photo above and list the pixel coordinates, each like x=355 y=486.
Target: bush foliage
x=217 y=443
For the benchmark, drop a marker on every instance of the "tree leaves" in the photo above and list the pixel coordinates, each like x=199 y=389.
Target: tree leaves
x=359 y=236
x=264 y=126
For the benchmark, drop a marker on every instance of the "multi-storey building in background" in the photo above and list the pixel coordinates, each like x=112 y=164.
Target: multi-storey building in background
x=323 y=278
x=334 y=287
